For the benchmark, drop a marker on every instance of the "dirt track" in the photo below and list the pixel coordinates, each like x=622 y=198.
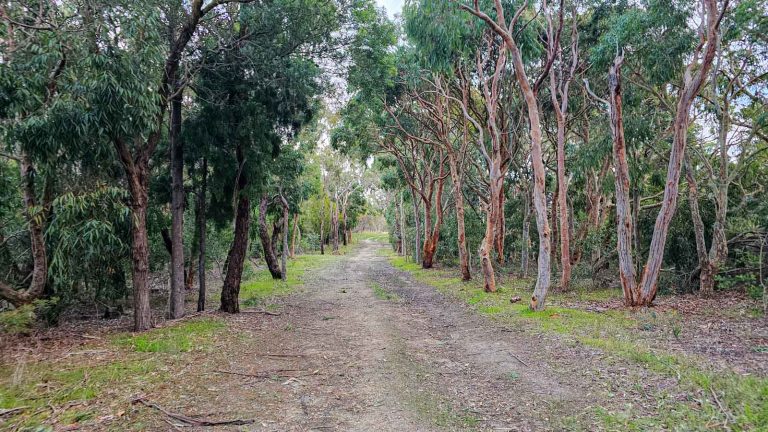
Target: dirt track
x=342 y=359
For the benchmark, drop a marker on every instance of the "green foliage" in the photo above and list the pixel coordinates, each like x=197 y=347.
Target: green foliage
x=23 y=319
x=184 y=337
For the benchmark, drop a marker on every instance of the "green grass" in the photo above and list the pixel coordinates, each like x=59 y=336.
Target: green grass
x=262 y=287
x=382 y=294
x=126 y=365
x=39 y=386
x=382 y=237
x=180 y=338
x=741 y=402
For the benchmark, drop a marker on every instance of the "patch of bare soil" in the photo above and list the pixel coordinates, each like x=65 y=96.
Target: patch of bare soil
x=728 y=330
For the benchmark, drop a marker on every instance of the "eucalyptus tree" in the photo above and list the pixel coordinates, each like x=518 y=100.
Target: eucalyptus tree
x=731 y=102
x=509 y=31
x=635 y=30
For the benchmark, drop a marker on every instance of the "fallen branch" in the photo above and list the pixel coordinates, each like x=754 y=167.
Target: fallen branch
x=278 y=355
x=189 y=420
x=265 y=312
x=4 y=412
x=518 y=358
x=265 y=374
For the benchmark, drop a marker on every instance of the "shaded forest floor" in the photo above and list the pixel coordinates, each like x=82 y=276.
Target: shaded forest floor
x=368 y=341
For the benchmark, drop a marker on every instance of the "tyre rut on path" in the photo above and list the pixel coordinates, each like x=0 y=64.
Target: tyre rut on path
x=345 y=359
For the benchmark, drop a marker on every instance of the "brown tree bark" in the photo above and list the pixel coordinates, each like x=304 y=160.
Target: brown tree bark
x=201 y=226
x=526 y=237
x=284 y=255
x=270 y=258
x=293 y=234
x=505 y=31
x=458 y=198
x=624 y=220
x=230 y=292
x=322 y=229
x=500 y=227
x=692 y=84
x=559 y=85
x=176 y=300
x=433 y=237
x=335 y=225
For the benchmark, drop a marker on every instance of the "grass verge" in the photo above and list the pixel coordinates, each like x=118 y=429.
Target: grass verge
x=713 y=399
x=56 y=393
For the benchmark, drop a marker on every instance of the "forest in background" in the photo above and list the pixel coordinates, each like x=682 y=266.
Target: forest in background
x=145 y=144
x=620 y=144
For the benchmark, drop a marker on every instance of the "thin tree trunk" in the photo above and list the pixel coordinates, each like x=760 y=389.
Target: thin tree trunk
x=404 y=239
x=705 y=274
x=459 y=203
x=322 y=230
x=39 y=274
x=230 y=292
x=335 y=225
x=417 y=239
x=293 y=234
x=176 y=306
x=624 y=221
x=526 y=237
x=270 y=258
x=201 y=221
x=486 y=264
x=500 y=227
x=284 y=257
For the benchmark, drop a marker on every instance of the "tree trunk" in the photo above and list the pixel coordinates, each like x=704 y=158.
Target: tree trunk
x=486 y=264
x=539 y=177
x=691 y=87
x=201 y=226
x=138 y=180
x=417 y=227
x=706 y=276
x=284 y=257
x=500 y=227
x=39 y=274
x=624 y=223
x=459 y=203
x=403 y=226
x=266 y=241
x=335 y=225
x=562 y=206
x=293 y=234
x=526 y=237
x=322 y=230
x=176 y=303
x=230 y=292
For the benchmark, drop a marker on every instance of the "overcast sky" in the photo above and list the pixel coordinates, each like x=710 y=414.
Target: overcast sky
x=393 y=6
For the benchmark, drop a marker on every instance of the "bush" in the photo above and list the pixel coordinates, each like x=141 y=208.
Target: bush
x=22 y=319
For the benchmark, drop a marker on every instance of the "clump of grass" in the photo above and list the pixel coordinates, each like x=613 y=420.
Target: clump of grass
x=262 y=286
x=42 y=385
x=383 y=294
x=173 y=339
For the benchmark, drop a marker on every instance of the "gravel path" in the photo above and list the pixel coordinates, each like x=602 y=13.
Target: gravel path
x=341 y=358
